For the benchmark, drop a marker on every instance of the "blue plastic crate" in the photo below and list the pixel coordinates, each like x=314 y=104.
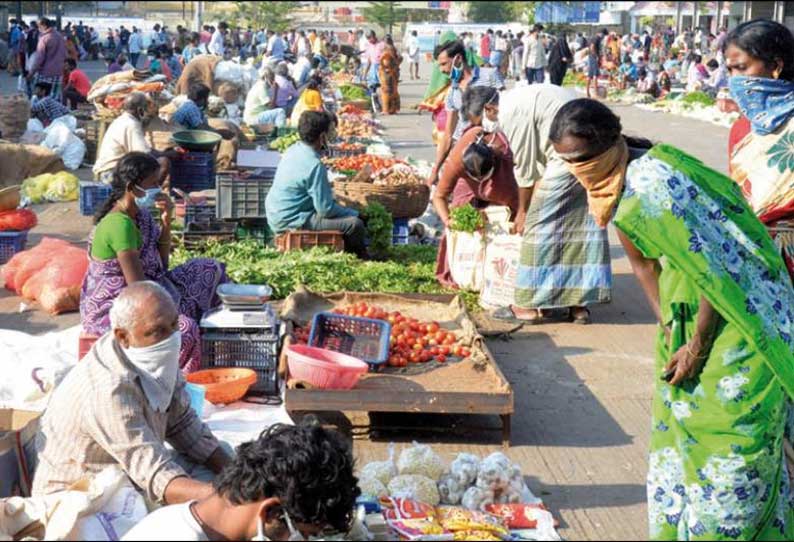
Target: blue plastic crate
x=92 y=195
x=12 y=242
x=193 y=171
x=401 y=232
x=362 y=338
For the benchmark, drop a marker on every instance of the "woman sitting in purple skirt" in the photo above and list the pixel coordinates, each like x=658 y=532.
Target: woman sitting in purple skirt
x=127 y=246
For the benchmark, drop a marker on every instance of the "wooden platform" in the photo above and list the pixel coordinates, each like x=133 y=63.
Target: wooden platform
x=474 y=385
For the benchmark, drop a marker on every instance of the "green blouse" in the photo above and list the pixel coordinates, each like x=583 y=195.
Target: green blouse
x=115 y=233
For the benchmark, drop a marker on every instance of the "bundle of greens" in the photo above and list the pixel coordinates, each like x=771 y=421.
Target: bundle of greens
x=352 y=92
x=466 y=219
x=380 y=226
x=698 y=97
x=410 y=269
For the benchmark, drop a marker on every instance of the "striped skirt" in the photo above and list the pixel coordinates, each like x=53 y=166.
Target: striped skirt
x=564 y=255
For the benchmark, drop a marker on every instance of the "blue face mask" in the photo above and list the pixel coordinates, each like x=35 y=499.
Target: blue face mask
x=149 y=199
x=767 y=103
x=457 y=73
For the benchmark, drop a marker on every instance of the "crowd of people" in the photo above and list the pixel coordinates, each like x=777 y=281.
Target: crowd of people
x=720 y=289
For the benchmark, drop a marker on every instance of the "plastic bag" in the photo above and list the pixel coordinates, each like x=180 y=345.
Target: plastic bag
x=22 y=84
x=462 y=474
x=450 y=490
x=422 y=460
x=372 y=487
x=17 y=220
x=27 y=263
x=495 y=473
x=53 y=187
x=416 y=487
x=383 y=471
x=62 y=141
x=465 y=257
x=476 y=498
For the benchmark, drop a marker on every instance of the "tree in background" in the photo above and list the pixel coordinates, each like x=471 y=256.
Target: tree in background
x=271 y=15
x=523 y=12
x=491 y=12
x=384 y=14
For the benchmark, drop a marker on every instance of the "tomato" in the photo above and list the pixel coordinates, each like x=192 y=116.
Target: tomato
x=423 y=328
x=435 y=350
x=458 y=351
x=433 y=327
x=426 y=356
x=444 y=350
x=394 y=361
x=414 y=358
x=465 y=352
x=440 y=336
x=400 y=340
x=441 y=358
x=418 y=346
x=432 y=342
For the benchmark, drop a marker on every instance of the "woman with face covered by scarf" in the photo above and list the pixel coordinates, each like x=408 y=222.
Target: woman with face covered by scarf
x=760 y=58
x=479 y=169
x=724 y=363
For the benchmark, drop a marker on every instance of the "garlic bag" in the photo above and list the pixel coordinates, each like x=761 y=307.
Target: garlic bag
x=383 y=471
x=422 y=460
x=416 y=487
x=450 y=489
x=495 y=473
x=476 y=498
x=465 y=468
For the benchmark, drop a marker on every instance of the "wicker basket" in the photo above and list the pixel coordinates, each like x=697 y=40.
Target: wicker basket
x=404 y=201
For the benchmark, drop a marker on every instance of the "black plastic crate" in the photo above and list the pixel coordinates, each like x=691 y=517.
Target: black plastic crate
x=204 y=212
x=193 y=171
x=242 y=197
x=255 y=349
x=197 y=234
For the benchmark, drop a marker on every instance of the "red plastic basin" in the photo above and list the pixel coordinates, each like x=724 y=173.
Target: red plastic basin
x=324 y=369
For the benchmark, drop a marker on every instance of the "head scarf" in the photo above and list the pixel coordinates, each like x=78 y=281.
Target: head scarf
x=603 y=178
x=767 y=103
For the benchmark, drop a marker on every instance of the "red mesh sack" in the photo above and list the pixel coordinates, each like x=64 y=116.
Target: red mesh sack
x=65 y=270
x=26 y=264
x=17 y=220
x=60 y=300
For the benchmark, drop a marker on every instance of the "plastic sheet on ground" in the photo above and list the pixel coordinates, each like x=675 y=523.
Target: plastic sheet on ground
x=242 y=421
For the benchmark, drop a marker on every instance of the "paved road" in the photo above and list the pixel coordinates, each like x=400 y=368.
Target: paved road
x=580 y=432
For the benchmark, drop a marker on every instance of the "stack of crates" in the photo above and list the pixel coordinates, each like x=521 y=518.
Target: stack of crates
x=92 y=195
x=193 y=171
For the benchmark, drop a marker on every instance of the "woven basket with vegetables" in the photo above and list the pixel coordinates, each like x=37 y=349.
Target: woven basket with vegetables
x=402 y=201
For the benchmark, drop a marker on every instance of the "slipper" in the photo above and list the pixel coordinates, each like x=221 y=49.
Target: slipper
x=582 y=319
x=506 y=314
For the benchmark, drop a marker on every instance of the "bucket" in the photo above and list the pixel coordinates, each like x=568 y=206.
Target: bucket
x=196 y=394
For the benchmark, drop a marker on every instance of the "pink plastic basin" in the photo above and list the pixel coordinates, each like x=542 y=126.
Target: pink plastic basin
x=324 y=369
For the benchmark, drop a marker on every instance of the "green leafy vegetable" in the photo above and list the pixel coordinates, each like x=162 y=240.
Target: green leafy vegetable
x=411 y=269
x=352 y=92
x=379 y=229
x=466 y=219
x=698 y=97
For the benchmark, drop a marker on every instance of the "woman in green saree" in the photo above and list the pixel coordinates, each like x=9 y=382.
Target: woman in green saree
x=724 y=362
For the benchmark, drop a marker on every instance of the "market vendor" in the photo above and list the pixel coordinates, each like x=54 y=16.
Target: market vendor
x=123 y=402
x=125 y=135
x=301 y=197
x=128 y=246
x=45 y=108
x=191 y=114
x=260 y=104
x=291 y=483
x=310 y=100
x=479 y=169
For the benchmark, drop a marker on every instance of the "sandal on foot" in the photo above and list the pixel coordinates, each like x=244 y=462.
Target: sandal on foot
x=506 y=314
x=582 y=318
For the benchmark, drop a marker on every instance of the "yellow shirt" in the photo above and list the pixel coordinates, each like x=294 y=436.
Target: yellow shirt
x=310 y=100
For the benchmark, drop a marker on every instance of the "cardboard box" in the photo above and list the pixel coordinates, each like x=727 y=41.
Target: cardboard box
x=18 y=430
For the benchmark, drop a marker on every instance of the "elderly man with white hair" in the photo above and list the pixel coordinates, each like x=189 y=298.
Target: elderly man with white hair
x=126 y=135
x=260 y=104
x=122 y=402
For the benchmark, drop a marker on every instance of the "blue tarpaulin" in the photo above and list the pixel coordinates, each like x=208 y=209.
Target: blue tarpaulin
x=568 y=12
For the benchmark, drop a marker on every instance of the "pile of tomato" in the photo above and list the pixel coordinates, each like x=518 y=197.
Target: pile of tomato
x=357 y=163
x=411 y=341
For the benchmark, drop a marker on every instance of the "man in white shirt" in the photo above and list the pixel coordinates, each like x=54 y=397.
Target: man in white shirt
x=125 y=135
x=217 y=45
x=291 y=483
x=412 y=50
x=534 y=60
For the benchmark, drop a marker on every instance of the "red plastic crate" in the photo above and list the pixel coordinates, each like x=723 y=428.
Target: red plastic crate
x=84 y=344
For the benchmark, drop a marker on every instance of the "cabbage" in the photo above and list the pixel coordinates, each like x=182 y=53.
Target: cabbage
x=422 y=460
x=416 y=487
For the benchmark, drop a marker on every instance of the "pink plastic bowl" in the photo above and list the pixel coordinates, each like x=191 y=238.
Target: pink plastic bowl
x=324 y=369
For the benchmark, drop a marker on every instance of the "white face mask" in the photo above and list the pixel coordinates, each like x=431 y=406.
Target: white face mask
x=489 y=125
x=158 y=367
